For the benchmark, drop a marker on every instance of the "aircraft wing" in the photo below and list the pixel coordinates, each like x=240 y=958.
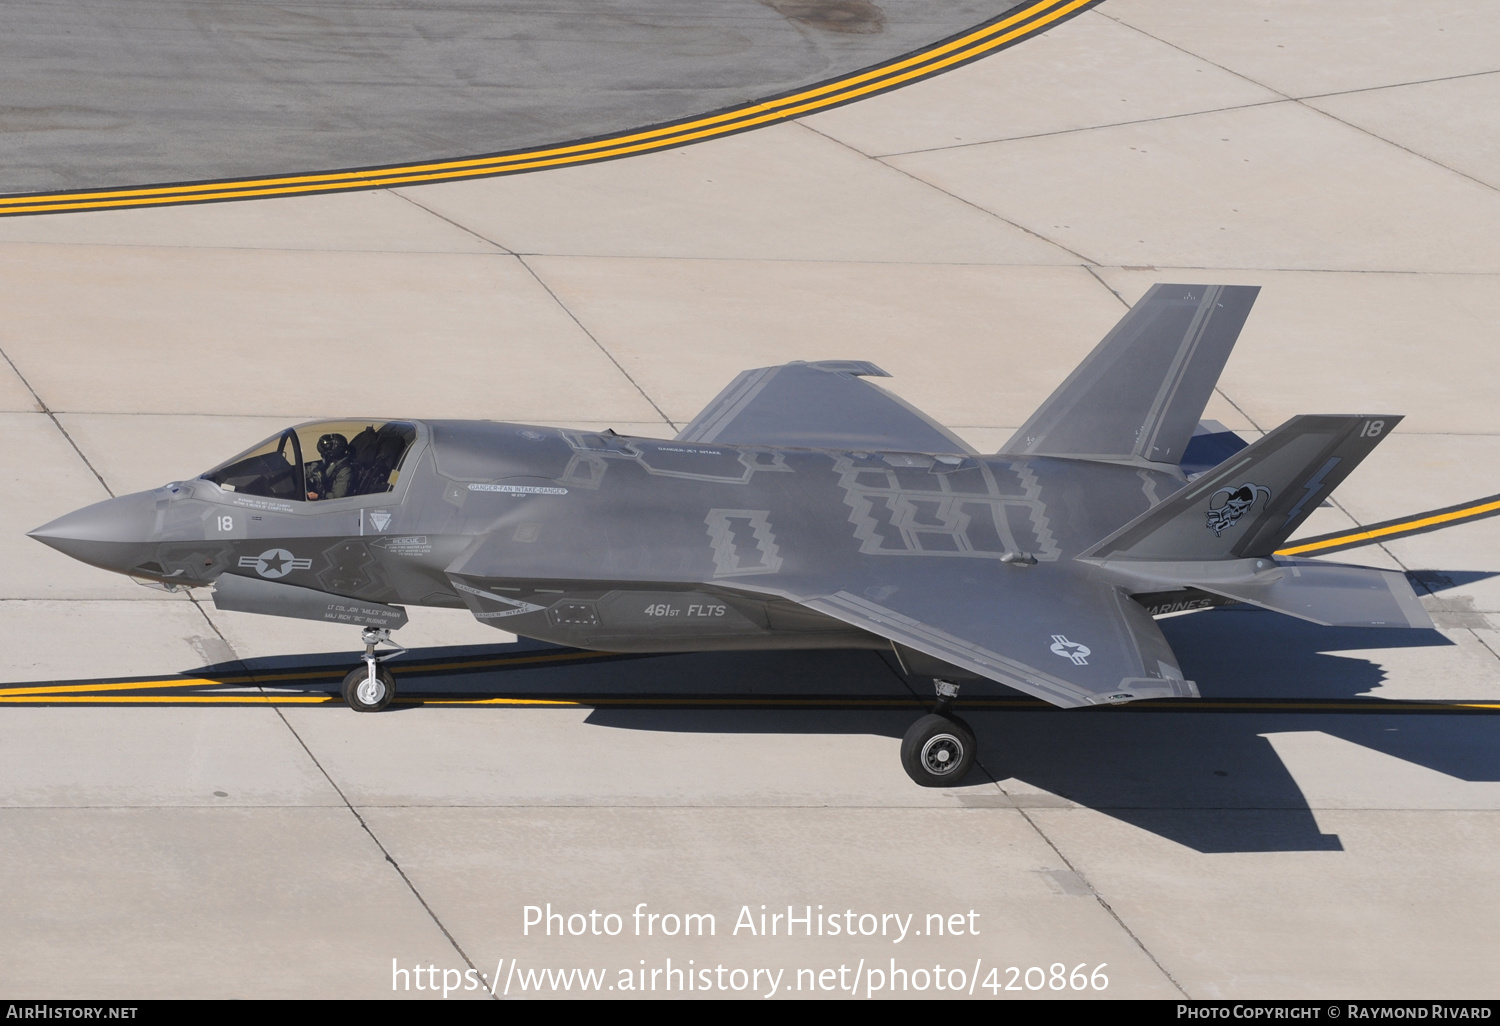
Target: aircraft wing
x=818 y=406
x=1050 y=632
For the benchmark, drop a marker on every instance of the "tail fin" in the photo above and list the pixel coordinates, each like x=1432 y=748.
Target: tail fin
x=1138 y=396
x=1249 y=504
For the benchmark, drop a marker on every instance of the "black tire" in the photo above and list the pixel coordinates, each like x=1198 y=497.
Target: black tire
x=357 y=677
x=938 y=751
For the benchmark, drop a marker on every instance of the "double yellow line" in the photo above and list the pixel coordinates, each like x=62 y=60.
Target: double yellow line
x=97 y=695
x=108 y=691
x=943 y=56
x=1392 y=529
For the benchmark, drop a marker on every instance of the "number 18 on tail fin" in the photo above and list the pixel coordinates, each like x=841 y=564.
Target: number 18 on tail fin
x=1252 y=502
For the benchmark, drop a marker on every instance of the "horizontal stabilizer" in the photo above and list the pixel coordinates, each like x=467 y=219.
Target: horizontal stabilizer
x=253 y=595
x=1139 y=394
x=821 y=405
x=1330 y=594
x=1249 y=504
x=1333 y=595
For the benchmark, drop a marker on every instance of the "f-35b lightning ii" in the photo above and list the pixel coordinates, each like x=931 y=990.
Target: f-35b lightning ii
x=804 y=508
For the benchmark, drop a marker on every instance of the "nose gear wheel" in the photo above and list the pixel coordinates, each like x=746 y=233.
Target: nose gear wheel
x=369 y=694
x=370 y=688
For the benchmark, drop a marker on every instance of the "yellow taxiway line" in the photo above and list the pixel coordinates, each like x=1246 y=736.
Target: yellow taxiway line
x=1420 y=522
x=925 y=63
x=248 y=680
x=1365 y=706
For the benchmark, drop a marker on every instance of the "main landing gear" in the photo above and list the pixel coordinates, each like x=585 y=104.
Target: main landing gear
x=938 y=749
x=370 y=688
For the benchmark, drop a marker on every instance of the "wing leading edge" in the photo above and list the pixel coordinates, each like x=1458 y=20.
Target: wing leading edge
x=820 y=405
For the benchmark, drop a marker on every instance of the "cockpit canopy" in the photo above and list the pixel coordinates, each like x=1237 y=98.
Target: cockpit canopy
x=332 y=459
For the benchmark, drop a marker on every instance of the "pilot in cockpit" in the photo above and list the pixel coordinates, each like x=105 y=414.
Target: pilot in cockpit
x=331 y=476
x=357 y=458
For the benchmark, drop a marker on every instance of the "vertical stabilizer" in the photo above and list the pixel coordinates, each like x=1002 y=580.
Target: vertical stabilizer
x=1248 y=505
x=1138 y=396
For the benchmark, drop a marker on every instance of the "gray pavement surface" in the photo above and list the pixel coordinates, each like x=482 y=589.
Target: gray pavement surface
x=975 y=235
x=98 y=93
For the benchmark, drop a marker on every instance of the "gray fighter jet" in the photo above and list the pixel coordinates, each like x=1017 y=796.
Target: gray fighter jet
x=804 y=508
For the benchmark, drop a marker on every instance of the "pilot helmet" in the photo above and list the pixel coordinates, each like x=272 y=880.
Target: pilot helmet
x=333 y=447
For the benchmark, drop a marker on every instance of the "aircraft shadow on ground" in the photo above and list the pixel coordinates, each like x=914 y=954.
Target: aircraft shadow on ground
x=1210 y=780
x=1441 y=580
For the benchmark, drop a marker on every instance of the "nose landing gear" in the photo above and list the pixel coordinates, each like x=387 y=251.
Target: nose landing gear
x=370 y=688
x=939 y=749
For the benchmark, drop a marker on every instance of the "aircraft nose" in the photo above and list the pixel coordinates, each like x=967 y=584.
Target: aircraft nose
x=109 y=534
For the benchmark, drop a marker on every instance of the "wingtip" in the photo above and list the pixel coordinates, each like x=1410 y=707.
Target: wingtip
x=856 y=368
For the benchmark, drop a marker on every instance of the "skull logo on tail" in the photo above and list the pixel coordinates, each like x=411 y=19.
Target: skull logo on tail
x=1237 y=503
